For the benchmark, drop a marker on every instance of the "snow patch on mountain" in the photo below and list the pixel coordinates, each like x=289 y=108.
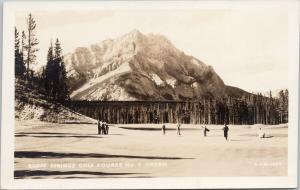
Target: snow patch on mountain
x=171 y=82
x=195 y=62
x=194 y=85
x=108 y=92
x=121 y=94
x=156 y=79
x=122 y=69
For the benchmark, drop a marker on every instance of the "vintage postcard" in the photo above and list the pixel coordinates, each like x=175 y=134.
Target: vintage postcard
x=150 y=94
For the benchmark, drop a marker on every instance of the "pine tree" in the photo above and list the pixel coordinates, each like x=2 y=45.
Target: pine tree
x=22 y=51
x=281 y=105
x=17 y=51
x=56 y=69
x=49 y=72
x=62 y=88
x=286 y=106
x=55 y=74
x=43 y=80
x=18 y=64
x=31 y=44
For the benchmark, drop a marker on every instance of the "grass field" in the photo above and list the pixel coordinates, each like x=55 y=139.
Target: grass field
x=47 y=150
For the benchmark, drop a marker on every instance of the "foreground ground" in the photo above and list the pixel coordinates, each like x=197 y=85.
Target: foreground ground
x=46 y=150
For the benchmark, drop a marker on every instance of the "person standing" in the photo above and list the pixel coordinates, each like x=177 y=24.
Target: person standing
x=261 y=133
x=99 y=127
x=178 y=128
x=103 y=128
x=205 y=130
x=106 y=128
x=225 y=129
x=164 y=129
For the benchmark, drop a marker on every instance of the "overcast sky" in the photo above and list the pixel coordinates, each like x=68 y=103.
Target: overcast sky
x=247 y=48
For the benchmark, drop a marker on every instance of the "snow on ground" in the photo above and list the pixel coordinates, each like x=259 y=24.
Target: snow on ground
x=194 y=85
x=171 y=82
x=195 y=62
x=46 y=150
x=120 y=94
x=31 y=112
x=109 y=92
x=156 y=78
x=56 y=113
x=122 y=69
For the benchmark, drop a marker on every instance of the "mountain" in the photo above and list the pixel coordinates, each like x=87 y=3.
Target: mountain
x=141 y=67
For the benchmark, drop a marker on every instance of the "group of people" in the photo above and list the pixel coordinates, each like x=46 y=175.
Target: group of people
x=261 y=134
x=205 y=130
x=177 y=128
x=225 y=130
x=102 y=128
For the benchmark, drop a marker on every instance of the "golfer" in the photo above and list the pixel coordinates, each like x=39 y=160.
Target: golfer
x=225 y=129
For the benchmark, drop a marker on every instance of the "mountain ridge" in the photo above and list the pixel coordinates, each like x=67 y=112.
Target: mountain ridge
x=139 y=66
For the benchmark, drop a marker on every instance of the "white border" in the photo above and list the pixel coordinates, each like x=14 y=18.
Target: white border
x=7 y=123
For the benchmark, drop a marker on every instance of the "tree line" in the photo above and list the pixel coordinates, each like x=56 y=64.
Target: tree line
x=246 y=110
x=249 y=109
x=53 y=77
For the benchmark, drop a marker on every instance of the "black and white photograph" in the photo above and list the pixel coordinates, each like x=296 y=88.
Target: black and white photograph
x=150 y=91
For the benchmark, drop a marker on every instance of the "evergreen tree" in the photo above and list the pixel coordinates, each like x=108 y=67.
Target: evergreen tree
x=42 y=80
x=49 y=72
x=281 y=106
x=62 y=88
x=17 y=51
x=30 y=46
x=22 y=51
x=286 y=106
x=55 y=74
x=19 y=64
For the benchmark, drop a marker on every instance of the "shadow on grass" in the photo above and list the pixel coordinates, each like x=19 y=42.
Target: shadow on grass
x=266 y=137
x=46 y=133
x=38 y=173
x=90 y=177
x=58 y=136
x=37 y=154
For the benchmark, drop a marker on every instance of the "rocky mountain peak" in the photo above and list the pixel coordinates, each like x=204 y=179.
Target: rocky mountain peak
x=139 y=66
x=135 y=33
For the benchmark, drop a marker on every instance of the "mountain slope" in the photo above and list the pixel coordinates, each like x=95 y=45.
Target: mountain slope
x=141 y=67
x=31 y=104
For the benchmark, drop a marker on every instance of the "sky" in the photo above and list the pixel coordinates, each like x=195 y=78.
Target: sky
x=247 y=48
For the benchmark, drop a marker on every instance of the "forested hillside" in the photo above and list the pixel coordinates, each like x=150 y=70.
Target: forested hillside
x=32 y=104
